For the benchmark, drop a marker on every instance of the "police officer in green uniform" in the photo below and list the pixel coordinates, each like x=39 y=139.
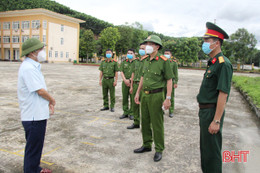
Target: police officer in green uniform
x=126 y=72
x=212 y=98
x=108 y=80
x=156 y=73
x=136 y=75
x=174 y=67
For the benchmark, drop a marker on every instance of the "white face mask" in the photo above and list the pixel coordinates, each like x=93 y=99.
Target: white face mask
x=41 y=56
x=149 y=49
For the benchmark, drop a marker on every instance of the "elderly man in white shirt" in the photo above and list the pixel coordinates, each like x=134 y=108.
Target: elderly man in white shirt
x=35 y=103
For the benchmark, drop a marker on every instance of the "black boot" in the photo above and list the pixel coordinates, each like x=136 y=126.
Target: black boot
x=133 y=126
x=142 y=150
x=104 y=108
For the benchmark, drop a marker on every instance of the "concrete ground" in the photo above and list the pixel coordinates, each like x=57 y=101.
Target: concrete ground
x=80 y=138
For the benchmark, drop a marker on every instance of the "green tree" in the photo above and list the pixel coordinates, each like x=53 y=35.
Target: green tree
x=126 y=39
x=243 y=44
x=184 y=49
x=87 y=43
x=109 y=38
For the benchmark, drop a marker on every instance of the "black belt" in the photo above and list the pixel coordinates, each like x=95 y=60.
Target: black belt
x=136 y=82
x=153 y=91
x=108 y=77
x=207 y=105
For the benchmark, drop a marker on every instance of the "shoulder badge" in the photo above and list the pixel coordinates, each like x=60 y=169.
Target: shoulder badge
x=221 y=59
x=144 y=57
x=164 y=58
x=214 y=60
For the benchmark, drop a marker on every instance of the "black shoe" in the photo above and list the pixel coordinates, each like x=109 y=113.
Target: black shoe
x=104 y=108
x=157 y=157
x=171 y=115
x=142 y=150
x=131 y=117
x=112 y=110
x=133 y=126
x=123 y=116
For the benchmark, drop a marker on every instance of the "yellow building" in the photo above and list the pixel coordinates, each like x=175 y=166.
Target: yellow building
x=59 y=32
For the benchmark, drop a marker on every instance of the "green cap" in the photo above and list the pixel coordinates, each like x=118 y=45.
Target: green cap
x=31 y=45
x=215 y=31
x=154 y=39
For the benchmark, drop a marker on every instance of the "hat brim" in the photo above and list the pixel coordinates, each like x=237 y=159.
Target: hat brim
x=32 y=49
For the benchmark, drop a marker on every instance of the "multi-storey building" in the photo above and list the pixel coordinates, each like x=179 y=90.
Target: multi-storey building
x=59 y=32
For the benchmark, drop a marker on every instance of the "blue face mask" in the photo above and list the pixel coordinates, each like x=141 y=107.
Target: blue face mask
x=167 y=56
x=141 y=52
x=129 y=56
x=206 y=47
x=108 y=55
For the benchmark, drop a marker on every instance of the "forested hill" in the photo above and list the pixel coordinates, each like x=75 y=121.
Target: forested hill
x=92 y=23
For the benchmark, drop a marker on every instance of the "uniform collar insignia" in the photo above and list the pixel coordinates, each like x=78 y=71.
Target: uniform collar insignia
x=157 y=58
x=214 y=60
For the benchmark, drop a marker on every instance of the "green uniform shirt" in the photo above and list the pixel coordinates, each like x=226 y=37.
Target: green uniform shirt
x=156 y=72
x=174 y=67
x=217 y=77
x=137 y=69
x=126 y=68
x=109 y=67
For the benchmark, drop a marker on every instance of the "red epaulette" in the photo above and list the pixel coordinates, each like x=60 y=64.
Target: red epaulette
x=163 y=58
x=144 y=57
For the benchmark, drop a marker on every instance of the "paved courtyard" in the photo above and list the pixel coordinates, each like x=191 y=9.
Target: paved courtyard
x=81 y=139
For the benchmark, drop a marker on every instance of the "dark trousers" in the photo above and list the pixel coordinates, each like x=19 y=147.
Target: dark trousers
x=34 y=134
x=210 y=145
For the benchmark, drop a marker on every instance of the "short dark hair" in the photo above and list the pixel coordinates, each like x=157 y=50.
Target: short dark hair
x=218 y=39
x=167 y=50
x=143 y=43
x=109 y=50
x=131 y=50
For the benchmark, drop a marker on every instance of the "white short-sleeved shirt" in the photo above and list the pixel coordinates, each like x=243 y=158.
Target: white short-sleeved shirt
x=30 y=79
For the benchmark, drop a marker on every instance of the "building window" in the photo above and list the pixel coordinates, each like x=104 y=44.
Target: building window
x=62 y=41
x=6 y=25
x=15 y=25
x=25 y=24
x=24 y=38
x=56 y=54
x=62 y=28
x=36 y=24
x=15 y=39
x=50 y=53
x=44 y=23
x=44 y=38
x=67 y=55
x=6 y=39
x=36 y=36
x=61 y=54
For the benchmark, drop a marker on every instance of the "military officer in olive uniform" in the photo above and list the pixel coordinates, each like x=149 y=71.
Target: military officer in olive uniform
x=108 y=80
x=174 y=67
x=156 y=73
x=136 y=75
x=212 y=98
x=126 y=72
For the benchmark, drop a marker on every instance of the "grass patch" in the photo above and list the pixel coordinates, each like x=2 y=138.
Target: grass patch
x=249 y=85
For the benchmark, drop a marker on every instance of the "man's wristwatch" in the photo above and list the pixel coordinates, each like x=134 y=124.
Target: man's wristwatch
x=217 y=121
x=168 y=97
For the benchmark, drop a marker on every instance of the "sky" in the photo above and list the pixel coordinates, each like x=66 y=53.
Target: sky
x=177 y=18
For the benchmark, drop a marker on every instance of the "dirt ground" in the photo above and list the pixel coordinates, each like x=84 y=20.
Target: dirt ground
x=80 y=138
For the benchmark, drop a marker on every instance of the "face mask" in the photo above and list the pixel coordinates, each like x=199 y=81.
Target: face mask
x=167 y=56
x=141 y=52
x=129 y=56
x=149 y=49
x=206 y=47
x=108 y=55
x=41 y=56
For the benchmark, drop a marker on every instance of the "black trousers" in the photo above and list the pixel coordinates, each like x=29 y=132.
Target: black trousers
x=34 y=135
